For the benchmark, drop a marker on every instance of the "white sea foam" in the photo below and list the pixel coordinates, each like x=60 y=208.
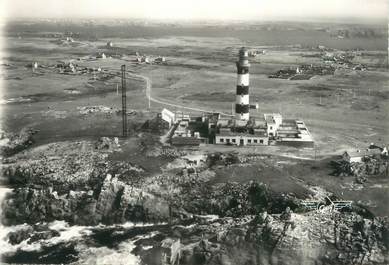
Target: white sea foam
x=106 y=256
x=131 y=224
x=67 y=232
x=4 y=245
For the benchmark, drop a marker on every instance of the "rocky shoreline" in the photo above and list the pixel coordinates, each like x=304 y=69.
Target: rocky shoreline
x=188 y=220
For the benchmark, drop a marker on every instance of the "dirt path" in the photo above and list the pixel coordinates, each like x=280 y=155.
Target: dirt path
x=152 y=99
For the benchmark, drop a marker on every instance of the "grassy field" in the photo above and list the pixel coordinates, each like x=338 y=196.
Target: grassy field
x=346 y=110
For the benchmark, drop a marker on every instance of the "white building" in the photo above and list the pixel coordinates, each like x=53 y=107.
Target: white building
x=168 y=116
x=273 y=122
x=101 y=56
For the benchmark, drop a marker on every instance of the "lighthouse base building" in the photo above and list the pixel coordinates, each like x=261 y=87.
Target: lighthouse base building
x=271 y=129
x=233 y=132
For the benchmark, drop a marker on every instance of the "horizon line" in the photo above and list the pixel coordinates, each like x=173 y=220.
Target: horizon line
x=322 y=19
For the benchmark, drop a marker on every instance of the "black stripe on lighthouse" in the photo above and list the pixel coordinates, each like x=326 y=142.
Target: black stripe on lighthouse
x=241 y=109
x=242 y=70
x=242 y=90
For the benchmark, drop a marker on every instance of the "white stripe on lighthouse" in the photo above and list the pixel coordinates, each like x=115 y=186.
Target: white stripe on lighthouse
x=243 y=116
x=242 y=99
x=243 y=80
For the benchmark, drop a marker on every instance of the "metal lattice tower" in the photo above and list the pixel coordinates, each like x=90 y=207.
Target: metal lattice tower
x=124 y=101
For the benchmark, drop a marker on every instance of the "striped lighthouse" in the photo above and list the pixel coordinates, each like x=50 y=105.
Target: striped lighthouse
x=242 y=105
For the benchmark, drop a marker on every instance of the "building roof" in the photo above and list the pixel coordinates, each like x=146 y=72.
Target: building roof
x=241 y=123
x=224 y=122
x=231 y=133
x=254 y=123
x=185 y=141
x=260 y=123
x=270 y=117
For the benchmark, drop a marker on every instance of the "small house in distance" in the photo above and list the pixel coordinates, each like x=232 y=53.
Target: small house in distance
x=160 y=60
x=358 y=155
x=101 y=56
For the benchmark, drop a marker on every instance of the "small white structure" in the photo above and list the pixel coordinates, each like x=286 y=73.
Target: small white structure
x=273 y=122
x=72 y=68
x=384 y=151
x=160 y=59
x=109 y=44
x=143 y=59
x=182 y=129
x=102 y=56
x=168 y=116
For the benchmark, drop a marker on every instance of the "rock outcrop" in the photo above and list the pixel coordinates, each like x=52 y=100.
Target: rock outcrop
x=311 y=238
x=220 y=223
x=13 y=143
x=115 y=202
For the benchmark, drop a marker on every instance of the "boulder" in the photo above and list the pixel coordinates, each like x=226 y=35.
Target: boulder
x=16 y=237
x=109 y=198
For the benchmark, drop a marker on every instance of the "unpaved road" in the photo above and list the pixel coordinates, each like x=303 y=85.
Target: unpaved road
x=152 y=99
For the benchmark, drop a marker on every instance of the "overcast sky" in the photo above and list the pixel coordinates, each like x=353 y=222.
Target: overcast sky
x=196 y=9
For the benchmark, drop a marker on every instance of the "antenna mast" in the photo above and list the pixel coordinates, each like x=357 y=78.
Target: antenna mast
x=124 y=101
